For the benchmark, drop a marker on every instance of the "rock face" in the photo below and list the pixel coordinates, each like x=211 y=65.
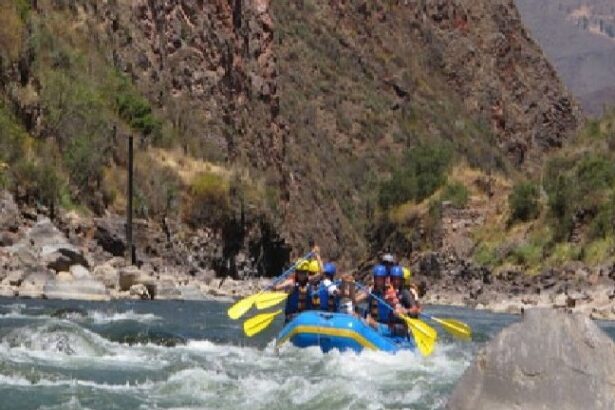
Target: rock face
x=9 y=212
x=550 y=360
x=245 y=73
x=45 y=244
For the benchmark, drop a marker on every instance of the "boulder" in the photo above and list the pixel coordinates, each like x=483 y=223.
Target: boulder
x=131 y=275
x=140 y=291
x=79 y=272
x=79 y=289
x=550 y=360
x=108 y=275
x=110 y=235
x=61 y=257
x=191 y=292
x=14 y=278
x=7 y=239
x=8 y=291
x=45 y=245
x=33 y=285
x=166 y=289
x=64 y=277
x=9 y=212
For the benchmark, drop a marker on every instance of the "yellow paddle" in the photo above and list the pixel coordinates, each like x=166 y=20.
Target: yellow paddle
x=458 y=329
x=243 y=305
x=259 y=323
x=421 y=327
x=269 y=299
x=424 y=343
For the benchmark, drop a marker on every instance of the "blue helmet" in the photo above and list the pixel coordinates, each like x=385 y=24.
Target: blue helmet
x=379 y=271
x=397 y=272
x=330 y=269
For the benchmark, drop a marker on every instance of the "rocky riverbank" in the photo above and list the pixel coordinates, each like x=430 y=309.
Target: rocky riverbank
x=73 y=257
x=574 y=287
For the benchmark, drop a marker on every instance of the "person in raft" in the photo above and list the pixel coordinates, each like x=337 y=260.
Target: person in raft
x=377 y=311
x=403 y=300
x=328 y=290
x=300 y=291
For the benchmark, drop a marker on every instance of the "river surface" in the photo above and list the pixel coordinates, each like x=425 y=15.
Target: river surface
x=189 y=355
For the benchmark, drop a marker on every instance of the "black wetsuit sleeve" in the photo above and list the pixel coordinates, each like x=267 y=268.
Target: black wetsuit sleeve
x=407 y=299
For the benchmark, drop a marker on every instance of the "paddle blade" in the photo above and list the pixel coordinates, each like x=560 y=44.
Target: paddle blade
x=456 y=328
x=241 y=307
x=423 y=343
x=422 y=327
x=259 y=323
x=269 y=299
x=424 y=335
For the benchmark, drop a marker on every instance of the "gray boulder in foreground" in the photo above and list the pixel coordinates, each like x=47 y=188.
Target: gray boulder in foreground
x=550 y=360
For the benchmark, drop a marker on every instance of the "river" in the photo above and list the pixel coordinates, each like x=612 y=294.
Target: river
x=189 y=355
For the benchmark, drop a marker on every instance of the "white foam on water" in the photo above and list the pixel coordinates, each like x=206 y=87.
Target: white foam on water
x=222 y=376
x=207 y=375
x=21 y=381
x=67 y=345
x=13 y=381
x=19 y=315
x=72 y=404
x=102 y=317
x=306 y=378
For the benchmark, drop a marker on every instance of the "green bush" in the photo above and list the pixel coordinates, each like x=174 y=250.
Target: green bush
x=527 y=254
x=13 y=138
x=24 y=8
x=598 y=251
x=457 y=194
x=208 y=201
x=159 y=187
x=581 y=184
x=38 y=183
x=423 y=171
x=137 y=111
x=84 y=158
x=524 y=202
x=562 y=253
x=486 y=255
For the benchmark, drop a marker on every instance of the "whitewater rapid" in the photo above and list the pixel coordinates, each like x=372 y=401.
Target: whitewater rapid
x=188 y=355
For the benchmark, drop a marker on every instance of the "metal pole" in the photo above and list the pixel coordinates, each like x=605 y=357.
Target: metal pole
x=129 y=244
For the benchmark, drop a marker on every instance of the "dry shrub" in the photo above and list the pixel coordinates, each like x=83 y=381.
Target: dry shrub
x=208 y=200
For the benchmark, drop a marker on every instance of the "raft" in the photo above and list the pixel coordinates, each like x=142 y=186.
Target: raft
x=340 y=331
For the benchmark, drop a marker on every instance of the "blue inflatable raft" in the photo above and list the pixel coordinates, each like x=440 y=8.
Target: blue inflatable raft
x=340 y=331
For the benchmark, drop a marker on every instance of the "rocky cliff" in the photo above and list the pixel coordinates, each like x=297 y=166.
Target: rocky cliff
x=320 y=99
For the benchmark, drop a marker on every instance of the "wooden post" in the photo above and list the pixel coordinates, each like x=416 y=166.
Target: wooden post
x=130 y=256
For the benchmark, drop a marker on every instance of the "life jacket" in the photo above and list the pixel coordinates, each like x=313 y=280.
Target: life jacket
x=317 y=297
x=299 y=300
x=396 y=324
x=391 y=296
x=328 y=303
x=377 y=309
